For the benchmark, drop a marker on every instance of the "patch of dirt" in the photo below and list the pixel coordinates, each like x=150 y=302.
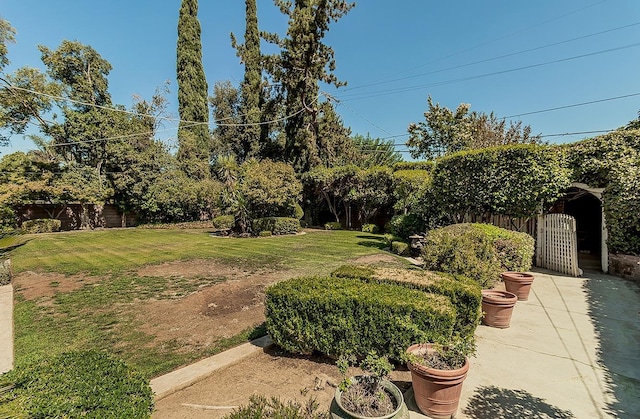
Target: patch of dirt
x=271 y=373
x=376 y=259
x=34 y=286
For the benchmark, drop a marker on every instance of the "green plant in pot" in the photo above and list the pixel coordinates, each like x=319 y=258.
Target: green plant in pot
x=368 y=396
x=437 y=374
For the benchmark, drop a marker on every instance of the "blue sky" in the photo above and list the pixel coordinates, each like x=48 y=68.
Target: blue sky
x=393 y=54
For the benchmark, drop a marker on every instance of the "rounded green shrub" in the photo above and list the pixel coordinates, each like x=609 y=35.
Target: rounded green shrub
x=265 y=234
x=260 y=407
x=370 y=228
x=88 y=384
x=276 y=225
x=406 y=225
x=478 y=251
x=224 y=222
x=333 y=225
x=41 y=225
x=400 y=248
x=338 y=316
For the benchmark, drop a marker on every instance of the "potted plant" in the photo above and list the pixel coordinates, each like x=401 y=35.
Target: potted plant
x=497 y=307
x=437 y=374
x=518 y=283
x=368 y=396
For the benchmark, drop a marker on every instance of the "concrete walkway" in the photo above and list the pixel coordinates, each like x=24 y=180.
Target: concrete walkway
x=6 y=328
x=572 y=351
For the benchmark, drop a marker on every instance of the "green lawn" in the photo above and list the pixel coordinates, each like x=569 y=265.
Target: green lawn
x=96 y=315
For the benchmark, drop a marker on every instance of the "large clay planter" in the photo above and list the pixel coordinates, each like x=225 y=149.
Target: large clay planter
x=437 y=392
x=497 y=307
x=518 y=283
x=401 y=412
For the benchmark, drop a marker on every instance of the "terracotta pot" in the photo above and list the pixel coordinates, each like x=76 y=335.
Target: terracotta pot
x=401 y=412
x=437 y=392
x=497 y=307
x=518 y=283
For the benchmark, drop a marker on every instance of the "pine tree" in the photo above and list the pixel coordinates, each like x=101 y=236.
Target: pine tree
x=193 y=132
x=303 y=63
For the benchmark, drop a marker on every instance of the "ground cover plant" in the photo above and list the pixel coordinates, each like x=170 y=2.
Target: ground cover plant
x=96 y=289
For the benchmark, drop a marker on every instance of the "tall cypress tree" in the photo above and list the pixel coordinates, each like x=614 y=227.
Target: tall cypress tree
x=251 y=90
x=193 y=131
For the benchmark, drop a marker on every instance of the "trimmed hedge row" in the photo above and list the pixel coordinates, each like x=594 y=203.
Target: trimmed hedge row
x=88 y=384
x=277 y=225
x=464 y=293
x=478 y=251
x=41 y=225
x=224 y=221
x=338 y=316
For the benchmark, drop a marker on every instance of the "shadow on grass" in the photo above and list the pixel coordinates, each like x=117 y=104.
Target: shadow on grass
x=493 y=402
x=372 y=241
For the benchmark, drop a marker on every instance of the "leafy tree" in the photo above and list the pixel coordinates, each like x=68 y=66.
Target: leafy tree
x=409 y=189
x=334 y=145
x=372 y=192
x=372 y=152
x=225 y=103
x=270 y=189
x=334 y=186
x=7 y=35
x=445 y=131
x=303 y=63
x=193 y=132
x=251 y=90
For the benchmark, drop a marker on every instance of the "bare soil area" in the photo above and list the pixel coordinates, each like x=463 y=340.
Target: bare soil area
x=272 y=373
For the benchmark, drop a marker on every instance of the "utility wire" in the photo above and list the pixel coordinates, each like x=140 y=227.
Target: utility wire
x=358 y=96
x=500 y=38
x=490 y=59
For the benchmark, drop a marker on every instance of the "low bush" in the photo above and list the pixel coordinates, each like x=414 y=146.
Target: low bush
x=260 y=407
x=6 y=273
x=87 y=384
x=370 y=228
x=224 y=222
x=333 y=225
x=265 y=234
x=406 y=225
x=338 y=316
x=41 y=225
x=277 y=225
x=400 y=248
x=464 y=293
x=478 y=251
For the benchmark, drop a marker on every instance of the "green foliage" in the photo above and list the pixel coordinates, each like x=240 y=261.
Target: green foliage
x=510 y=180
x=42 y=225
x=345 y=316
x=622 y=209
x=370 y=228
x=260 y=407
x=464 y=293
x=390 y=238
x=371 y=152
x=372 y=191
x=445 y=131
x=400 y=248
x=6 y=273
x=265 y=234
x=224 y=221
x=269 y=188
x=333 y=225
x=593 y=161
x=407 y=225
x=194 y=144
x=413 y=165
x=87 y=384
x=277 y=225
x=478 y=251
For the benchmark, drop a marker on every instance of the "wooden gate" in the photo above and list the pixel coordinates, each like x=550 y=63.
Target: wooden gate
x=557 y=245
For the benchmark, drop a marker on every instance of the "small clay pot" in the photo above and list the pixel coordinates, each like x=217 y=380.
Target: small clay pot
x=497 y=307
x=518 y=283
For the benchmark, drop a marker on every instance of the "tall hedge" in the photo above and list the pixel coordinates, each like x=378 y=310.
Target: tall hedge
x=513 y=180
x=621 y=200
x=348 y=316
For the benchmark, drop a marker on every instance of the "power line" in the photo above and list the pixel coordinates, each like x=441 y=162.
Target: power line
x=571 y=106
x=491 y=59
x=358 y=96
x=501 y=37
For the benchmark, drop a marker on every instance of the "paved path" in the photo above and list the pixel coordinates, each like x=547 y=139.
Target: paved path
x=6 y=328
x=572 y=351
